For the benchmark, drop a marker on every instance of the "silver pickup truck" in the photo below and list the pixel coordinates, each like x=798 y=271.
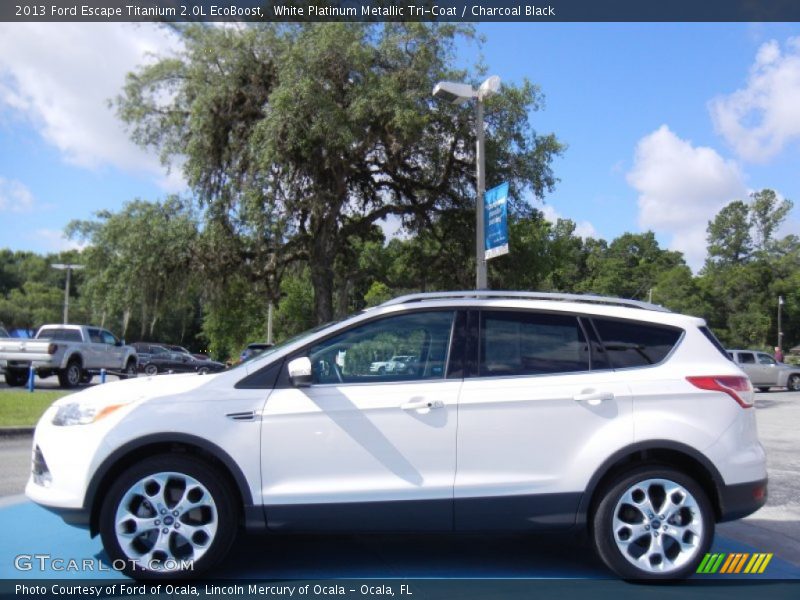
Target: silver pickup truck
x=765 y=372
x=72 y=352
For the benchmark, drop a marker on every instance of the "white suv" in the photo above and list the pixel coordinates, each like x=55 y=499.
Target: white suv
x=520 y=411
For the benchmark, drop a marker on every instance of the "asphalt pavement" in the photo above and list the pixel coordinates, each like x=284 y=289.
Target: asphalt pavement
x=775 y=528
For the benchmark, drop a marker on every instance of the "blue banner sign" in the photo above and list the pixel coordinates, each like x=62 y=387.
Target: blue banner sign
x=495 y=221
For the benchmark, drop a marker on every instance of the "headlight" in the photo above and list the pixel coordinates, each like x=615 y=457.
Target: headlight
x=78 y=414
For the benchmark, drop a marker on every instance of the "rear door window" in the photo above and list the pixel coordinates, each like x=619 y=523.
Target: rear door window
x=61 y=335
x=527 y=343
x=636 y=344
x=747 y=358
x=766 y=359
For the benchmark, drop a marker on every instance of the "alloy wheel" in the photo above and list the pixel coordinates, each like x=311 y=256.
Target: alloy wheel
x=164 y=520
x=658 y=526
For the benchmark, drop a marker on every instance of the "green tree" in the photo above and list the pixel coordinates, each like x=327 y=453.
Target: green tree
x=139 y=264
x=295 y=138
x=766 y=215
x=729 y=239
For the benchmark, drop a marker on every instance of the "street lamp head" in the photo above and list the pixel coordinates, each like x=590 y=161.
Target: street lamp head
x=454 y=93
x=489 y=87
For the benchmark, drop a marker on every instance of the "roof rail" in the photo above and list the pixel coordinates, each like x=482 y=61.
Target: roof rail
x=492 y=294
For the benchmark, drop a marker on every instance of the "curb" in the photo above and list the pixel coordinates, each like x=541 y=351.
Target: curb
x=15 y=431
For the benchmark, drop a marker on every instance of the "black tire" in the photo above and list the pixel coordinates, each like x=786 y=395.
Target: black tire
x=151 y=369
x=793 y=383
x=86 y=377
x=763 y=389
x=129 y=371
x=662 y=557
x=203 y=370
x=215 y=508
x=70 y=377
x=16 y=377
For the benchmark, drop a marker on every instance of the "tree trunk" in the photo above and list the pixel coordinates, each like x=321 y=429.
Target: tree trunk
x=322 y=282
x=343 y=298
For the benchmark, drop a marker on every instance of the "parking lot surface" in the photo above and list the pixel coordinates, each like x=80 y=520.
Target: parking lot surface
x=28 y=529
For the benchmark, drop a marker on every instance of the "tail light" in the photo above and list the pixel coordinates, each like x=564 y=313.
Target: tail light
x=52 y=348
x=737 y=387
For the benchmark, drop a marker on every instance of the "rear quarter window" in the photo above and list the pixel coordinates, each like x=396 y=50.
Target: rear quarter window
x=636 y=344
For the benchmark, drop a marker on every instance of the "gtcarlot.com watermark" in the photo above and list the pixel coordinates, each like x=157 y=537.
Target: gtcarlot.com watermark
x=50 y=563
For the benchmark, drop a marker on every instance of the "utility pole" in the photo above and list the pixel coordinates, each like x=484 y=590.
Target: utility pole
x=68 y=268
x=780 y=328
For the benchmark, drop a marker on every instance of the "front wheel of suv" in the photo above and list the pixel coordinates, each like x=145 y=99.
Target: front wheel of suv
x=653 y=523
x=168 y=517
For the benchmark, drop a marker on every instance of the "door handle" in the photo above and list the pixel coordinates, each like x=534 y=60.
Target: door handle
x=593 y=398
x=422 y=405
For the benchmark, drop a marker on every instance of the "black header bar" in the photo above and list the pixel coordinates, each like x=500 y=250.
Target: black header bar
x=287 y=11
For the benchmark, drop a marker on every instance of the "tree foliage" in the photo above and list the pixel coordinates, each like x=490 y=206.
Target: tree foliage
x=299 y=138
x=139 y=265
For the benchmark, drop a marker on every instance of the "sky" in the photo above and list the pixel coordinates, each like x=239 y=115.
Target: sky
x=664 y=123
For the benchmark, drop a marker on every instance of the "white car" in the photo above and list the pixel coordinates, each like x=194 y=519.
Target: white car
x=396 y=363
x=525 y=412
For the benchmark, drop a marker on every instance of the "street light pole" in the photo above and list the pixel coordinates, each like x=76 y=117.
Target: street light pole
x=481 y=277
x=457 y=93
x=780 y=328
x=68 y=268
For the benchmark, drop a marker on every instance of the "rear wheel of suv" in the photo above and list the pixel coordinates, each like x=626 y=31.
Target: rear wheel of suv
x=168 y=517
x=653 y=523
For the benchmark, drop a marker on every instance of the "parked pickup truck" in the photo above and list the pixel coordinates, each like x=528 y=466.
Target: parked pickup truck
x=72 y=352
x=765 y=372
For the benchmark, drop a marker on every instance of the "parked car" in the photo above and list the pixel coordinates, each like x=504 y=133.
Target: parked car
x=395 y=364
x=253 y=350
x=72 y=352
x=206 y=365
x=156 y=358
x=765 y=372
x=613 y=418
x=183 y=350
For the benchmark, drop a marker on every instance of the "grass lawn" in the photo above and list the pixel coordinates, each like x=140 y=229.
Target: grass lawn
x=20 y=408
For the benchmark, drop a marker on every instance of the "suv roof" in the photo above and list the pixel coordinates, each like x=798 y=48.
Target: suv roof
x=513 y=295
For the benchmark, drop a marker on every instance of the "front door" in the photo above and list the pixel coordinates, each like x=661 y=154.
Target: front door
x=364 y=448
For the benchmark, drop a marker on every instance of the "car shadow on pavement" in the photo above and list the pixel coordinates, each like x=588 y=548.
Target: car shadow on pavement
x=413 y=556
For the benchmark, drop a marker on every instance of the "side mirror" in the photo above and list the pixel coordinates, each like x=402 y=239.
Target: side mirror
x=300 y=372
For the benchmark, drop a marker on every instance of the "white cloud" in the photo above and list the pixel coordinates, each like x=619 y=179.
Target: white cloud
x=681 y=187
x=60 y=77
x=583 y=229
x=52 y=240
x=759 y=120
x=15 y=196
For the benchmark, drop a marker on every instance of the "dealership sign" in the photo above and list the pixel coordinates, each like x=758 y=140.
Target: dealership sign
x=495 y=219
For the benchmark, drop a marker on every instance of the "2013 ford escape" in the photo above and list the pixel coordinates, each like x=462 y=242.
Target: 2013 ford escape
x=519 y=411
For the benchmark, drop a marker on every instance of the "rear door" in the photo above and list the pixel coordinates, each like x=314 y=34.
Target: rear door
x=94 y=356
x=747 y=361
x=529 y=416
x=114 y=351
